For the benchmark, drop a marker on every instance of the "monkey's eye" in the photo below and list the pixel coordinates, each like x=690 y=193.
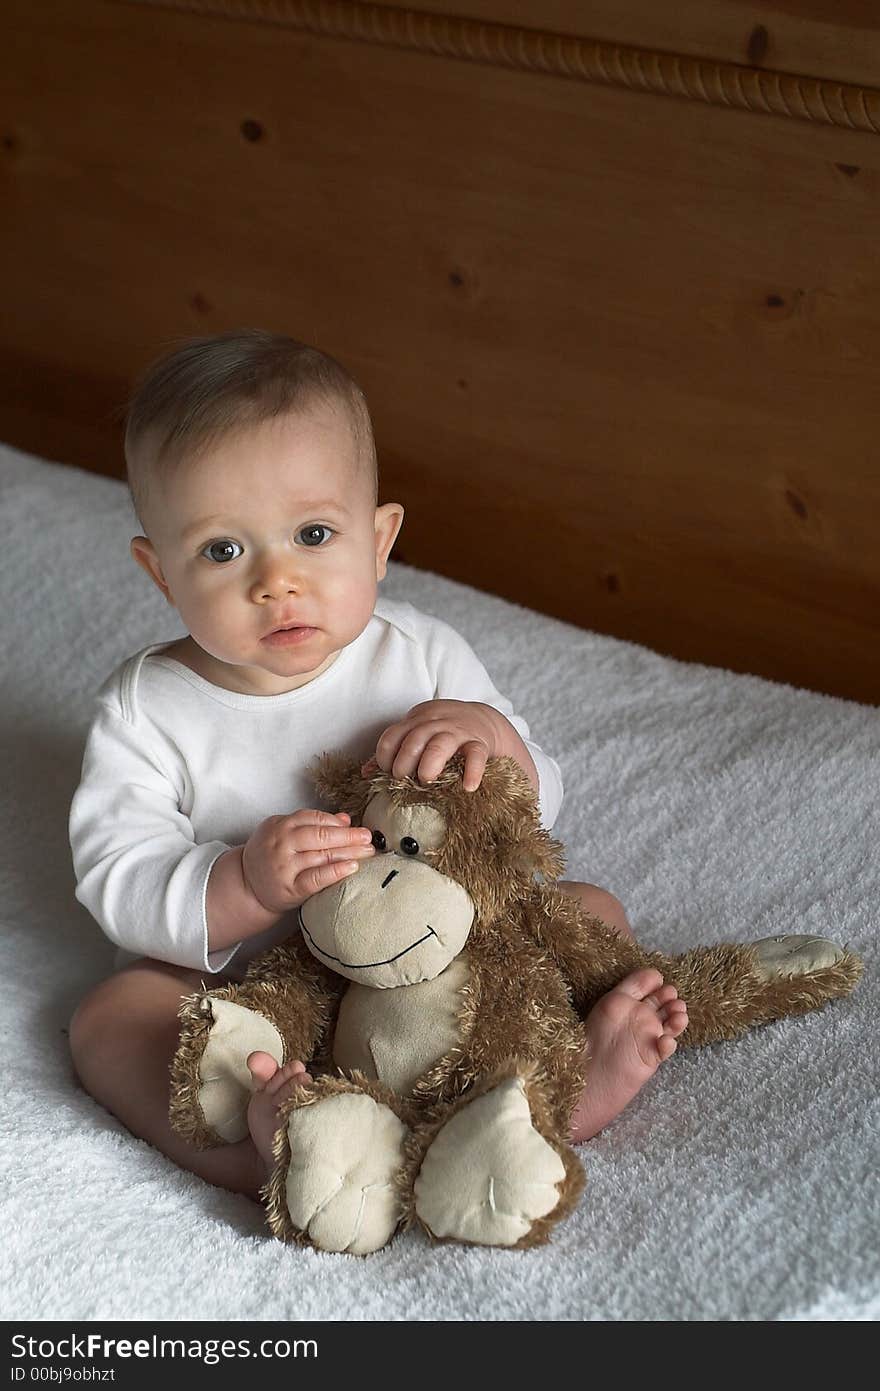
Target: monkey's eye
x=379 y=840
x=409 y=846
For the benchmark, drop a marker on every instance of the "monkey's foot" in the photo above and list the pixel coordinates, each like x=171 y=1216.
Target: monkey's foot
x=794 y=956
x=224 y=1082
x=340 y=1158
x=488 y=1175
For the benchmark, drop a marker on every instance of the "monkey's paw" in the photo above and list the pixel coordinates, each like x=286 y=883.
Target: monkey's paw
x=488 y=1175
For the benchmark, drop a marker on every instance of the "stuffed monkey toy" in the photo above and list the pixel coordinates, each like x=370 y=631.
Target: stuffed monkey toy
x=440 y=993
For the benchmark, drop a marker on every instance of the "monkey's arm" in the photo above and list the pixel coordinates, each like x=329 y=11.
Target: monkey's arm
x=283 y=1007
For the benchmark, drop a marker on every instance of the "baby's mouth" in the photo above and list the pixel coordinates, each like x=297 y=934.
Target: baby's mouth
x=295 y=632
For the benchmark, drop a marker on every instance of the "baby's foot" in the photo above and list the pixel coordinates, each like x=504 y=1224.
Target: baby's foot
x=272 y=1085
x=630 y=1032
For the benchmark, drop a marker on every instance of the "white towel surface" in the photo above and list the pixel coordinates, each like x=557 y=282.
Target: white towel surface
x=741 y=1184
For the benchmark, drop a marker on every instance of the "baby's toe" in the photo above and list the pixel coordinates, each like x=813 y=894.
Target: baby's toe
x=675 y=1018
x=666 y=1046
x=262 y=1067
x=661 y=997
x=294 y=1072
x=640 y=984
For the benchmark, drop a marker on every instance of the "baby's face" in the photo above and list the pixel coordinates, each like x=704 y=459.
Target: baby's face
x=272 y=528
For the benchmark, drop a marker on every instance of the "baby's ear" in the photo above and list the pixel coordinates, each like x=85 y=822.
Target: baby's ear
x=339 y=781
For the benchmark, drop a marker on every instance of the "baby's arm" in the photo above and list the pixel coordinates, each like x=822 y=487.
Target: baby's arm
x=467 y=713
x=158 y=892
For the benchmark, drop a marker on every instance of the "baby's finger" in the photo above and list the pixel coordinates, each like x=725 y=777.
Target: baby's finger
x=313 y=880
x=389 y=742
x=438 y=751
x=409 y=755
x=310 y=816
x=475 y=759
x=304 y=839
x=341 y=854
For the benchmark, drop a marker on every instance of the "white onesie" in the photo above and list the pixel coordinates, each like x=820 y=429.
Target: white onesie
x=177 y=770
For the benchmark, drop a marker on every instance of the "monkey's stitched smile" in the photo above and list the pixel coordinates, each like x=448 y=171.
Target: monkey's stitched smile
x=366 y=965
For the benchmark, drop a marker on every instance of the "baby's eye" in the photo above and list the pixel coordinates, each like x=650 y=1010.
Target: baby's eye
x=221 y=551
x=314 y=535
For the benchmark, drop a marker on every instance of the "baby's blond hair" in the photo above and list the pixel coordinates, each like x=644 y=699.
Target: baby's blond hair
x=208 y=387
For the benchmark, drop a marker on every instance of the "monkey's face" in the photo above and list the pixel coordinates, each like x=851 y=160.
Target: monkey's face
x=398 y=920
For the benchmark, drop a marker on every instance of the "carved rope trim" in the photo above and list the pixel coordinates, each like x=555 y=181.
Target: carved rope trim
x=561 y=55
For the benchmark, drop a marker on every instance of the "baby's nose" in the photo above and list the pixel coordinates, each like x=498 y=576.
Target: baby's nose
x=274 y=579
x=263 y=590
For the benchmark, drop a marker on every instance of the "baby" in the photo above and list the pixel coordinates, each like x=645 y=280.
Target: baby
x=252 y=469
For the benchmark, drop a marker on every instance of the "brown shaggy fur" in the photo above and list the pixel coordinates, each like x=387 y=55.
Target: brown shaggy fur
x=536 y=965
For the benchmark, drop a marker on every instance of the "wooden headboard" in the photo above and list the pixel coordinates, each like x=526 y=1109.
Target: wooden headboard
x=606 y=269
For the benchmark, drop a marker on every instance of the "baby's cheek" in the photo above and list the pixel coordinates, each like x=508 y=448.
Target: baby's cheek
x=214 y=622
x=352 y=598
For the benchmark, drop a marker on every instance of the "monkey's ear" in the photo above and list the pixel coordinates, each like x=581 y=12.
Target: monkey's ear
x=339 y=781
x=536 y=852
x=511 y=805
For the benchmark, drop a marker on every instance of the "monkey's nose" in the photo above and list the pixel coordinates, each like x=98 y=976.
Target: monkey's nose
x=390 y=877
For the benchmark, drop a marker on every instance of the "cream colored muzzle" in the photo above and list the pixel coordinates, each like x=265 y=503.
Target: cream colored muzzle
x=397 y=921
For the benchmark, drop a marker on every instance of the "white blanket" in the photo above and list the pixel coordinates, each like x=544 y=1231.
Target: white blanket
x=740 y=1184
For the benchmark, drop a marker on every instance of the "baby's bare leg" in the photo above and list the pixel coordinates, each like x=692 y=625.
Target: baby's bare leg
x=599 y=903
x=122 y=1038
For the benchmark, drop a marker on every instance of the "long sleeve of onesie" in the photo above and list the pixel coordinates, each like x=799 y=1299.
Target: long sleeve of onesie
x=139 y=870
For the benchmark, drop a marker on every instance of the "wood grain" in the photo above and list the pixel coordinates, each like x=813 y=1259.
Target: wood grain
x=569 y=56
x=620 y=350
x=835 y=39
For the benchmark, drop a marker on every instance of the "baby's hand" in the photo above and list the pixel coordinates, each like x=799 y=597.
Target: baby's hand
x=423 y=743
x=289 y=858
